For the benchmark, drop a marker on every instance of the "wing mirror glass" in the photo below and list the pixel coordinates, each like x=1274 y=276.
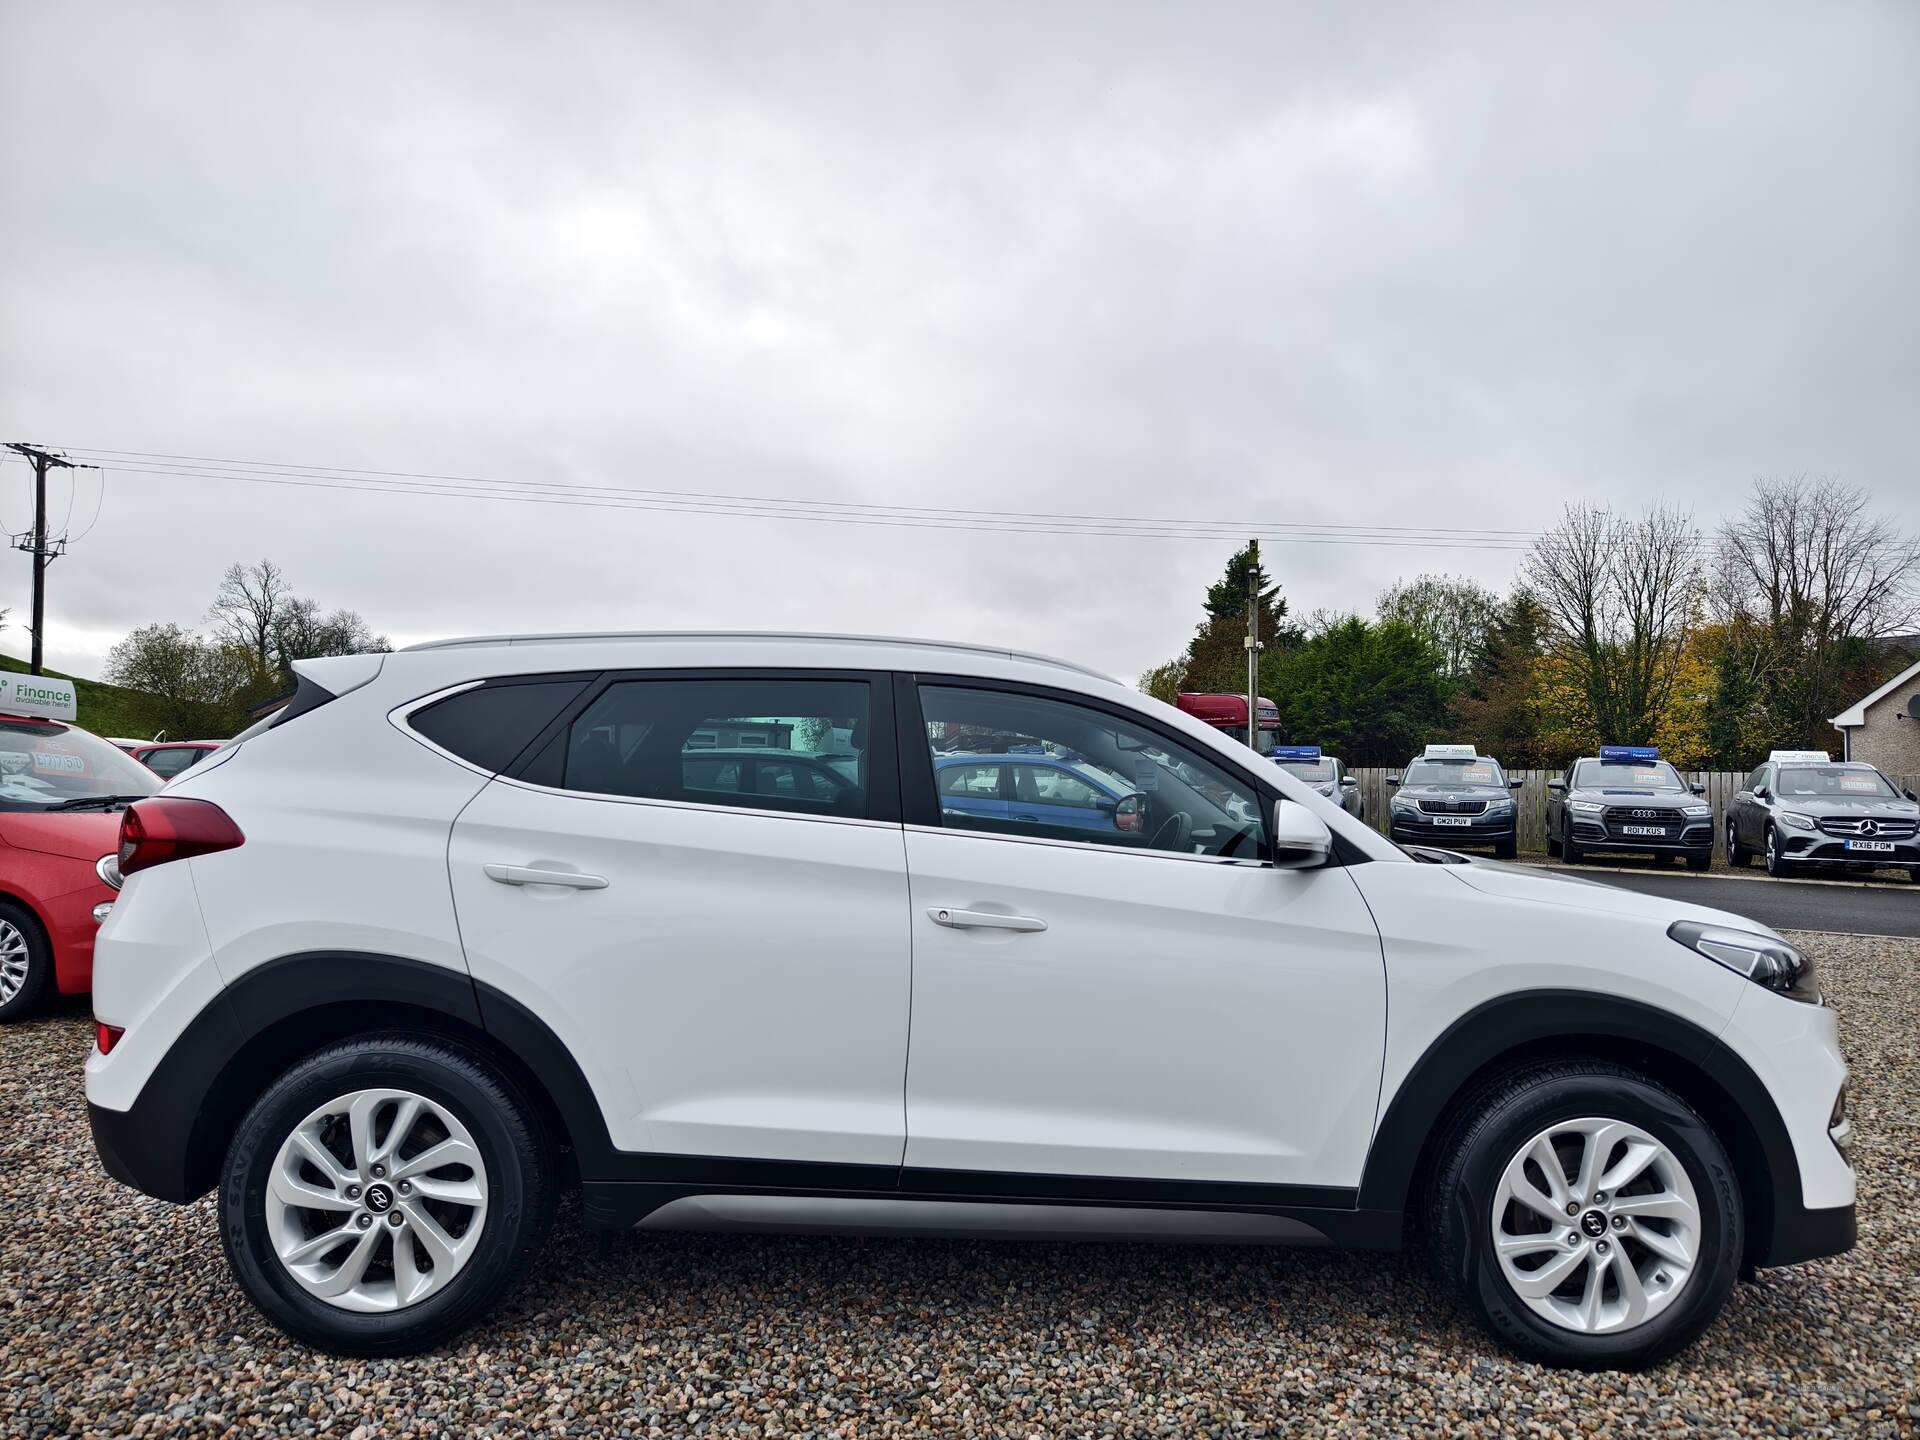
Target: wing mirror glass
x=1760 y=792
x=1301 y=839
x=1393 y=779
x=1515 y=784
x=1698 y=789
x=1349 y=783
x=1130 y=815
x=1556 y=785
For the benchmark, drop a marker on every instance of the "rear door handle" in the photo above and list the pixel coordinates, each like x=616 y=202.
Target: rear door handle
x=526 y=875
x=983 y=920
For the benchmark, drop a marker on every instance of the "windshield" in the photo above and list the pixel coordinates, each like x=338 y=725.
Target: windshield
x=1835 y=780
x=1454 y=772
x=1625 y=775
x=48 y=764
x=1314 y=772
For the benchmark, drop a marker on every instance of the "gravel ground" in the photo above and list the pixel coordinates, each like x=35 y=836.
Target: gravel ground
x=117 y=1317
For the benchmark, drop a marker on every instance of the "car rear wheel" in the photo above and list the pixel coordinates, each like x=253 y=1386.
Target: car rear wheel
x=26 y=962
x=1589 y=1216
x=1738 y=855
x=384 y=1193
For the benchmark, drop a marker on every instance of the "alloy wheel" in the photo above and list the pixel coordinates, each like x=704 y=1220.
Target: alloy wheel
x=15 y=961
x=1596 y=1227
x=376 y=1200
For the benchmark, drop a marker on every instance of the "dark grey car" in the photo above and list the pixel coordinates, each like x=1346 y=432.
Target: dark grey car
x=1637 y=805
x=1454 y=800
x=1833 y=815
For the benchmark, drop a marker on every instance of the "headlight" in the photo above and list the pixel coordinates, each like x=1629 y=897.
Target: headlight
x=107 y=867
x=1406 y=803
x=1499 y=807
x=1697 y=812
x=1798 y=822
x=1586 y=807
x=1761 y=958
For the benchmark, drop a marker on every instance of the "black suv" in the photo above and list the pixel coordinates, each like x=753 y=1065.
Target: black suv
x=1627 y=799
x=1811 y=811
x=1454 y=796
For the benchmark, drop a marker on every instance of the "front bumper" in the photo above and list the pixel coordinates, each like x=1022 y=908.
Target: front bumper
x=1483 y=830
x=1803 y=1234
x=1696 y=839
x=1812 y=848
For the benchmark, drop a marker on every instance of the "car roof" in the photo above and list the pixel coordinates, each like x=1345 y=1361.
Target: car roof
x=854 y=644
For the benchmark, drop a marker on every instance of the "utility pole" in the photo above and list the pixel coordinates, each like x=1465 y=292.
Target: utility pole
x=36 y=544
x=1253 y=648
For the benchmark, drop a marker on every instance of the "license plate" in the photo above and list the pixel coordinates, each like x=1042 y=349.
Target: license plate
x=1642 y=830
x=1876 y=847
x=1451 y=819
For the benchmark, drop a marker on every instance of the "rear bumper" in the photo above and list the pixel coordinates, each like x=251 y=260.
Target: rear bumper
x=144 y=1151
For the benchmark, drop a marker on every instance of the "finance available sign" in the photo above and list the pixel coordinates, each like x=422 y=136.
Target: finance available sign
x=40 y=695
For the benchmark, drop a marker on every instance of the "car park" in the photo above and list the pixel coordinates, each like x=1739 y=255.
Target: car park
x=1325 y=774
x=1804 y=810
x=1627 y=800
x=167 y=758
x=453 y=928
x=1452 y=795
x=61 y=793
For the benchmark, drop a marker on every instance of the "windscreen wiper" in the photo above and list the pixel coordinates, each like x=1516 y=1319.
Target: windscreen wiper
x=89 y=802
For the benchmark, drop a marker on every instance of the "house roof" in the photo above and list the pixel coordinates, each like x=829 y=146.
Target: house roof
x=1856 y=714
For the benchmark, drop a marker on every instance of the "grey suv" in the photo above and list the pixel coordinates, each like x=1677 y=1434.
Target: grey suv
x=1627 y=799
x=1819 y=813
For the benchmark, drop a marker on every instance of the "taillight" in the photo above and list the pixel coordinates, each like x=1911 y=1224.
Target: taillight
x=106 y=1036
x=169 y=827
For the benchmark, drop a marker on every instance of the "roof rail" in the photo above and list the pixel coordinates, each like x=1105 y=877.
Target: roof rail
x=796 y=636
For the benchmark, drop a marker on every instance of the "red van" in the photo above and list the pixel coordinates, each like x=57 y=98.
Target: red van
x=61 y=793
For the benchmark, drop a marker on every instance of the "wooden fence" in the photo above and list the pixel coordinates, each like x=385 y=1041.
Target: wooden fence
x=1722 y=786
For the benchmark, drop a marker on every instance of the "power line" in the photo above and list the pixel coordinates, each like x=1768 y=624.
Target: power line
x=36 y=543
x=814 y=511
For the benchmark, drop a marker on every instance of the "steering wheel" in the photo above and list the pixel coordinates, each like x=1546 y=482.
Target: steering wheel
x=1175 y=833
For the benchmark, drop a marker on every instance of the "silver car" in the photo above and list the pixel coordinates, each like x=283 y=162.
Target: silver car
x=1324 y=773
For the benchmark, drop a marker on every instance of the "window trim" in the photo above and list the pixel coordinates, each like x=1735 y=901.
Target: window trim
x=883 y=782
x=919 y=798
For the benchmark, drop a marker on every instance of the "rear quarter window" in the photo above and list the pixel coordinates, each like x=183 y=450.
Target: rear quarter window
x=489 y=726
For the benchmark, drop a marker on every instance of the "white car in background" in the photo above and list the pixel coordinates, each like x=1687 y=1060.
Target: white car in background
x=456 y=928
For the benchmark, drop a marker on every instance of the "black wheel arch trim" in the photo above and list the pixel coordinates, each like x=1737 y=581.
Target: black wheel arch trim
x=1558 y=1023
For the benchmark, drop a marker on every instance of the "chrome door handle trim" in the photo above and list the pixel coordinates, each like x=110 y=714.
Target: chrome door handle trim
x=983 y=920
x=526 y=875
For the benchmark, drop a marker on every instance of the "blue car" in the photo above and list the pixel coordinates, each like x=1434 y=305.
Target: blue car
x=1034 y=788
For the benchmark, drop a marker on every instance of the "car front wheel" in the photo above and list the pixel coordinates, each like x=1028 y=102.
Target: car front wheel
x=1778 y=865
x=26 y=962
x=384 y=1193
x=1589 y=1216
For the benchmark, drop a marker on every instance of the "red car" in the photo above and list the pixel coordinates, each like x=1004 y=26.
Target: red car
x=61 y=794
x=167 y=758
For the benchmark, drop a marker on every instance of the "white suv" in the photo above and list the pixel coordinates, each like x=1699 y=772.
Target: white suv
x=786 y=932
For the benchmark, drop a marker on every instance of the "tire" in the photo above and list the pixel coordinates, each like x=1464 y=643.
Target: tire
x=26 y=962
x=1506 y=849
x=1571 y=852
x=463 y=1101
x=1738 y=855
x=1700 y=862
x=1552 y=1102
x=1553 y=847
x=1778 y=866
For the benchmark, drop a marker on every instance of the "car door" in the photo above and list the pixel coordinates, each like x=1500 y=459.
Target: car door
x=730 y=967
x=1160 y=1004
x=1751 y=810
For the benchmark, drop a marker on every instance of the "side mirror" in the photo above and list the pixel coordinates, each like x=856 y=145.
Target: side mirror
x=1101 y=802
x=1698 y=789
x=1557 y=785
x=1760 y=792
x=1130 y=815
x=1393 y=779
x=1349 y=783
x=1301 y=839
x=1910 y=795
x=1515 y=784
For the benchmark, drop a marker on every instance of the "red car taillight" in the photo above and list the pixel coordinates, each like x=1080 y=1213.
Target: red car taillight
x=167 y=827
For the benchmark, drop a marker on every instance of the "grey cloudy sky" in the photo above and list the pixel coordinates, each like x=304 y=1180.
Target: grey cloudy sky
x=1433 y=267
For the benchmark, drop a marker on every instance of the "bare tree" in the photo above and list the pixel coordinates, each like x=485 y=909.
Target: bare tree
x=1803 y=578
x=1620 y=595
x=1453 y=614
x=249 y=607
x=303 y=631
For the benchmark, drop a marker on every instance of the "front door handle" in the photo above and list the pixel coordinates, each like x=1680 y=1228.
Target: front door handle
x=526 y=875
x=983 y=920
